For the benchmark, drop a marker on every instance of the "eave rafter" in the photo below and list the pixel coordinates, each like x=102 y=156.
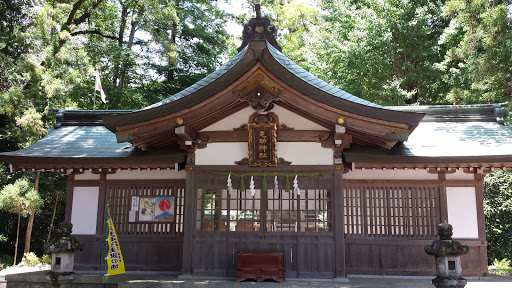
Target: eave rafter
x=436 y=168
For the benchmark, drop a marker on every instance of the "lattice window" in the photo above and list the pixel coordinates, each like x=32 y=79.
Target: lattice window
x=396 y=211
x=270 y=211
x=119 y=196
x=218 y=210
x=307 y=212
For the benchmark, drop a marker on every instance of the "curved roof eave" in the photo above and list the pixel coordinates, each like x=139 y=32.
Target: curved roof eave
x=220 y=79
x=285 y=69
x=316 y=88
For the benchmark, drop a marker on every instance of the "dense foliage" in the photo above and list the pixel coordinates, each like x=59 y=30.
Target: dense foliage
x=50 y=50
x=392 y=52
x=398 y=52
x=498 y=214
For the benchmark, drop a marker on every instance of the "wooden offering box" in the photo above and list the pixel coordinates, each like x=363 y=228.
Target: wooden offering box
x=260 y=265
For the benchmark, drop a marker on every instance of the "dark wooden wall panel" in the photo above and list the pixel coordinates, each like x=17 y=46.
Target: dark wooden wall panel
x=310 y=257
x=381 y=256
x=92 y=254
x=156 y=253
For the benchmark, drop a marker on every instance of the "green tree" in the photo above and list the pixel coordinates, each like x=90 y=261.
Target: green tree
x=383 y=51
x=479 y=59
x=498 y=214
x=19 y=198
x=145 y=51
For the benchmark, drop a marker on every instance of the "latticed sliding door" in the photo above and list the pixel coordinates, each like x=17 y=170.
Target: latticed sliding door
x=298 y=224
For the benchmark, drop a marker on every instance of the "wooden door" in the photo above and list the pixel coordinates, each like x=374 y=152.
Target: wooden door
x=299 y=225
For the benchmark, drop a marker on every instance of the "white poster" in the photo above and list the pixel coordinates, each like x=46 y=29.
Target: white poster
x=131 y=216
x=135 y=203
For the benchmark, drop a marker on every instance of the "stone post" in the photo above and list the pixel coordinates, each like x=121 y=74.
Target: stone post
x=447 y=256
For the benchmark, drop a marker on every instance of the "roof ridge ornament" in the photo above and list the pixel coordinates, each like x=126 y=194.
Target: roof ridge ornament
x=259 y=29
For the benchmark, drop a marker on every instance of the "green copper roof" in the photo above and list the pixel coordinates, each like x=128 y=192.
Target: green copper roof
x=316 y=82
x=87 y=145
x=457 y=133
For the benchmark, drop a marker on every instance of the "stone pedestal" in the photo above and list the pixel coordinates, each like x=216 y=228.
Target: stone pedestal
x=449 y=283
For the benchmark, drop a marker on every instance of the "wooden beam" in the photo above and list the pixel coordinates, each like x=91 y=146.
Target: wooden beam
x=283 y=135
x=185 y=133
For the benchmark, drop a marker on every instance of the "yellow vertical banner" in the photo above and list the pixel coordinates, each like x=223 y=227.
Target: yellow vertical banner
x=115 y=263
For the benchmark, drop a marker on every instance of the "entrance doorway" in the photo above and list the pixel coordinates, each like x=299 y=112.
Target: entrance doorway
x=297 y=224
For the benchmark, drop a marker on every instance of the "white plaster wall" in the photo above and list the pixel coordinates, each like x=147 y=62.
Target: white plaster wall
x=460 y=175
x=299 y=153
x=87 y=175
x=295 y=120
x=222 y=153
x=233 y=121
x=285 y=117
x=145 y=174
x=84 y=210
x=390 y=174
x=304 y=153
x=462 y=213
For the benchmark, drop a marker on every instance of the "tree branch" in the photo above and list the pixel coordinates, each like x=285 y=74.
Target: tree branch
x=94 y=32
x=73 y=11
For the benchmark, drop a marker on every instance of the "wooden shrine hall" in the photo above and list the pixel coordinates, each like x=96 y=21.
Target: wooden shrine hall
x=263 y=156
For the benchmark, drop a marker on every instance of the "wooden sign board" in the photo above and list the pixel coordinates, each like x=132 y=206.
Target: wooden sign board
x=262 y=145
x=152 y=209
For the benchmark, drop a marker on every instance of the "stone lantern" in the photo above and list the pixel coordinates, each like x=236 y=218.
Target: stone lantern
x=447 y=252
x=62 y=247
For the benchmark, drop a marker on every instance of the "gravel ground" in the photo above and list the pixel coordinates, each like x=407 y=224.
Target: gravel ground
x=355 y=282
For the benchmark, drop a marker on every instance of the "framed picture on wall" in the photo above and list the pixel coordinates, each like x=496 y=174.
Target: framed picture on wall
x=152 y=209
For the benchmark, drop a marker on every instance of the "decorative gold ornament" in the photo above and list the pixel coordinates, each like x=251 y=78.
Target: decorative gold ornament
x=340 y=120
x=179 y=121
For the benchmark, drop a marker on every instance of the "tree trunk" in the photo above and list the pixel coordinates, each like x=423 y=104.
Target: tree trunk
x=120 y=39
x=53 y=217
x=31 y=219
x=17 y=235
x=129 y=47
x=29 y=232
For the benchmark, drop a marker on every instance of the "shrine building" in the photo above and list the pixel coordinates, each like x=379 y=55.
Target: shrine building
x=263 y=156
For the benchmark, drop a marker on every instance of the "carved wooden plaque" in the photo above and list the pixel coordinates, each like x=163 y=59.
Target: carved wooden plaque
x=262 y=144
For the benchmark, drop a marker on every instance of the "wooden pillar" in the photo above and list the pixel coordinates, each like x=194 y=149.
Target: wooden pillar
x=69 y=197
x=101 y=221
x=339 y=224
x=443 y=200
x=479 y=197
x=188 y=227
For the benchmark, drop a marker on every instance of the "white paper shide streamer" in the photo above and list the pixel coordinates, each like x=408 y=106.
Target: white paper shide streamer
x=296 y=185
x=276 y=187
x=230 y=185
x=251 y=187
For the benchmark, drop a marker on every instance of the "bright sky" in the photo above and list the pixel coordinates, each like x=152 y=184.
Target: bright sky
x=236 y=8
